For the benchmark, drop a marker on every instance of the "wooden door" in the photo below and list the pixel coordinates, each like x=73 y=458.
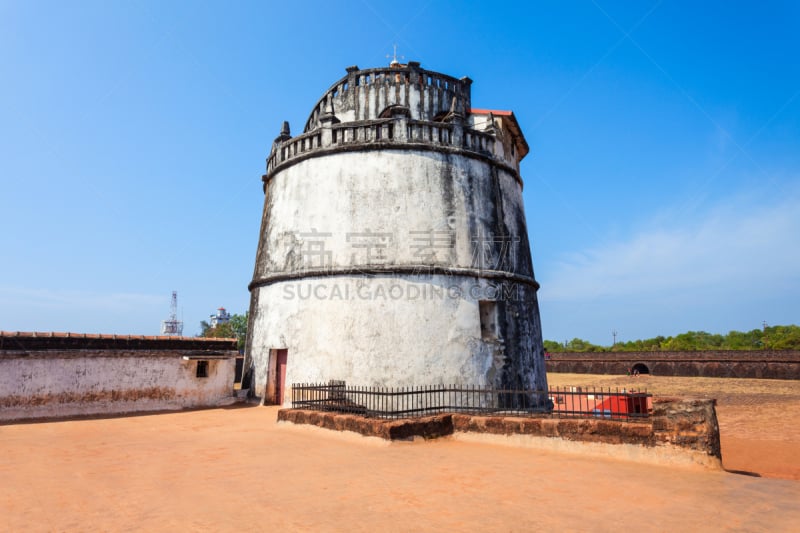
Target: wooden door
x=280 y=374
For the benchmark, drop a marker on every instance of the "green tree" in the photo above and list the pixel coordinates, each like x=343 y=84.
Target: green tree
x=220 y=331
x=693 y=340
x=235 y=328
x=654 y=343
x=771 y=338
x=580 y=345
x=782 y=337
x=239 y=326
x=553 y=346
x=751 y=340
x=641 y=345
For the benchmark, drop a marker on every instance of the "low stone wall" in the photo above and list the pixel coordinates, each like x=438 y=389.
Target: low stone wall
x=679 y=431
x=690 y=424
x=573 y=429
x=757 y=364
x=56 y=376
x=429 y=427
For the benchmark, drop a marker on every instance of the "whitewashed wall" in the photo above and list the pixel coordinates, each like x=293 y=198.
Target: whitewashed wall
x=397 y=192
x=381 y=331
x=392 y=329
x=61 y=385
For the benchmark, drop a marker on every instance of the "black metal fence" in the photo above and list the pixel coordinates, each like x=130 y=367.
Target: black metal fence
x=412 y=402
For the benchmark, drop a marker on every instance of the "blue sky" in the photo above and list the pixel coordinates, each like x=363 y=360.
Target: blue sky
x=661 y=190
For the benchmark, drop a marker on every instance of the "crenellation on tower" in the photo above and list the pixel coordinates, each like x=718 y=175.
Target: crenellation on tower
x=392 y=107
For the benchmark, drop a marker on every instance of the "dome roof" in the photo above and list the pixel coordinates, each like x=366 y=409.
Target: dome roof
x=365 y=94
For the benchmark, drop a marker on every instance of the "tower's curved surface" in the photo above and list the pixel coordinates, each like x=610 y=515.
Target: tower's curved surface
x=393 y=247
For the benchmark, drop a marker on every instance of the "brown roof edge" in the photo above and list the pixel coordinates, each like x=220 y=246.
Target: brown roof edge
x=498 y=112
x=111 y=336
x=522 y=144
x=37 y=341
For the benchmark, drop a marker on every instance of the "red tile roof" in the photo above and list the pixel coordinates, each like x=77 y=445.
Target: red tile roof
x=498 y=112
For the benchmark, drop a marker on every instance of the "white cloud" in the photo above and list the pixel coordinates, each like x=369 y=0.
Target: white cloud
x=736 y=246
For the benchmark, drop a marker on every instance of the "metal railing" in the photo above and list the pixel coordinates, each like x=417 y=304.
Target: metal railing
x=414 y=402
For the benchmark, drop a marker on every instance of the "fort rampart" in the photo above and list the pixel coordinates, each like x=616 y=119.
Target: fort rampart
x=758 y=364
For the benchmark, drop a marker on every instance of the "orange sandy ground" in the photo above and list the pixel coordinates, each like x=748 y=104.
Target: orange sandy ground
x=236 y=469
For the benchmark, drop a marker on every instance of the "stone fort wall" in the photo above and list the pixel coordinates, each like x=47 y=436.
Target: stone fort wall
x=758 y=364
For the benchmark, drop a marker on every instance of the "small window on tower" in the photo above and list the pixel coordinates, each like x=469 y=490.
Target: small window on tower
x=488 y=312
x=202 y=369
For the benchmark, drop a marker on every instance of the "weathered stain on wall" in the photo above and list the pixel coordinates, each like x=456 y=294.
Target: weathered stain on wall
x=151 y=393
x=56 y=381
x=757 y=364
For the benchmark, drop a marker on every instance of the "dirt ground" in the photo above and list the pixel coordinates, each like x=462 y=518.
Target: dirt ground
x=237 y=469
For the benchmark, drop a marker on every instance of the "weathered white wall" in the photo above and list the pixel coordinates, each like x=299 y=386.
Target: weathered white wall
x=59 y=385
x=393 y=329
x=381 y=331
x=394 y=192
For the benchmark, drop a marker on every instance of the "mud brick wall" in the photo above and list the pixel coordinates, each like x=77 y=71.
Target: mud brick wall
x=758 y=364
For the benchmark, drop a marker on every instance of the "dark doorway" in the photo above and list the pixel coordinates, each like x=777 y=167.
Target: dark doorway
x=280 y=375
x=640 y=368
x=488 y=317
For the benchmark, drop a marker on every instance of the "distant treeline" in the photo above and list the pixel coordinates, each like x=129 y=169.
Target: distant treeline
x=769 y=338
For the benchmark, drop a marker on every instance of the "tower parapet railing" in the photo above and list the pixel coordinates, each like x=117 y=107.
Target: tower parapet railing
x=387 y=132
x=390 y=107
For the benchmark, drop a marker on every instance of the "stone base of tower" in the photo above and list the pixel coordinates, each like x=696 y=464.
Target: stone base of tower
x=389 y=330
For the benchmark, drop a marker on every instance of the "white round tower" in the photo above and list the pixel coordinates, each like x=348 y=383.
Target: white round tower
x=393 y=248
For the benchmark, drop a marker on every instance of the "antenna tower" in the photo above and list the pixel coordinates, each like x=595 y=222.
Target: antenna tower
x=172 y=326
